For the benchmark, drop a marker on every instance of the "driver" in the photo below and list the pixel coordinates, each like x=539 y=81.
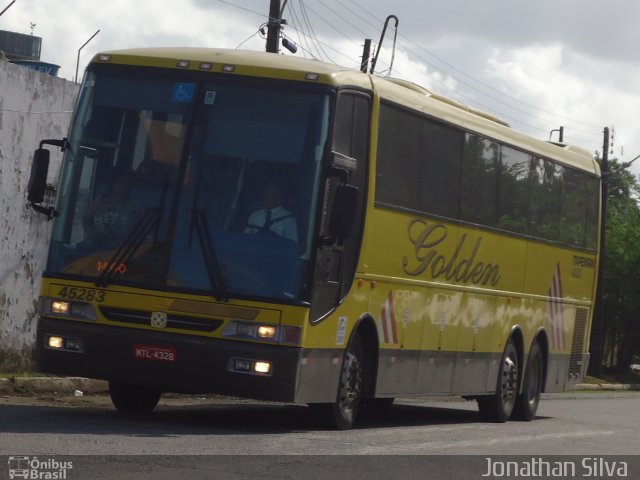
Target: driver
x=272 y=218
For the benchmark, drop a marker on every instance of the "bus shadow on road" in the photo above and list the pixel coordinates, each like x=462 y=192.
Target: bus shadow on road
x=214 y=418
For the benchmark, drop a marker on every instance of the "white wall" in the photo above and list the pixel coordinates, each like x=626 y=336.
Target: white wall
x=33 y=106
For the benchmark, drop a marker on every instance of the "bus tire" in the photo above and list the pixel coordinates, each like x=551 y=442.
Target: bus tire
x=342 y=414
x=499 y=406
x=527 y=402
x=133 y=399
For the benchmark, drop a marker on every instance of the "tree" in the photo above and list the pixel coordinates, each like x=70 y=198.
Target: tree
x=622 y=270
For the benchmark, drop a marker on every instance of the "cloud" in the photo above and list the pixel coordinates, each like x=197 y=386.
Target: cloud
x=537 y=64
x=567 y=87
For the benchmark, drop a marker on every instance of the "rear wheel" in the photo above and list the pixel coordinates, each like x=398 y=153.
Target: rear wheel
x=499 y=406
x=342 y=414
x=133 y=399
x=527 y=402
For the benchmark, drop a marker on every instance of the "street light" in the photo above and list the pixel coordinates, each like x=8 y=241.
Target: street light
x=83 y=45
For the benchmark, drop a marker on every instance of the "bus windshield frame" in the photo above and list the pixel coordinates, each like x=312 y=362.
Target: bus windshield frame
x=193 y=182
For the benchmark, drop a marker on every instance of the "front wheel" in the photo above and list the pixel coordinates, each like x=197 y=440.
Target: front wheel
x=528 y=401
x=133 y=399
x=342 y=414
x=499 y=406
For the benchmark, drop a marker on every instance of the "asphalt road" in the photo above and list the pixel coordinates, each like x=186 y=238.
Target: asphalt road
x=583 y=424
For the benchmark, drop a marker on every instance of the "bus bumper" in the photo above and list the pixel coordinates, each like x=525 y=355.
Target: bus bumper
x=168 y=362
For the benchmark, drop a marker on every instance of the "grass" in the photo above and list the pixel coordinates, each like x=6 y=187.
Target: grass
x=613 y=377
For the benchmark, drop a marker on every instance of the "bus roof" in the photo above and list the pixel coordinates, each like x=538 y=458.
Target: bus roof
x=270 y=65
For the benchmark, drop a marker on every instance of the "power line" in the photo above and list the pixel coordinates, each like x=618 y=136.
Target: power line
x=304 y=26
x=303 y=8
x=472 y=78
x=301 y=38
x=244 y=8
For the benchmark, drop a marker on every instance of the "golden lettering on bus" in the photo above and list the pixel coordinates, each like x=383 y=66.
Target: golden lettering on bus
x=427 y=238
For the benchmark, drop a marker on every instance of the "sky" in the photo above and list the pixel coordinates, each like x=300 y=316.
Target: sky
x=537 y=64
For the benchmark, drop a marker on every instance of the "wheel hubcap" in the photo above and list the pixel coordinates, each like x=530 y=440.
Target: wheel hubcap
x=509 y=381
x=350 y=386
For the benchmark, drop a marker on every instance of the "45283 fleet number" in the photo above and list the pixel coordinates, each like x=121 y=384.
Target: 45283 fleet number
x=80 y=293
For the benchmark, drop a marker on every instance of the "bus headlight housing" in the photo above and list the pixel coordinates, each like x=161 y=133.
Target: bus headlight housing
x=72 y=309
x=241 y=329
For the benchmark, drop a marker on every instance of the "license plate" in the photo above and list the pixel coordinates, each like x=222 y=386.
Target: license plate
x=154 y=353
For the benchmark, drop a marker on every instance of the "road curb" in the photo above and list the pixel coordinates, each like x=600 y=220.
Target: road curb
x=69 y=385
x=606 y=387
x=51 y=385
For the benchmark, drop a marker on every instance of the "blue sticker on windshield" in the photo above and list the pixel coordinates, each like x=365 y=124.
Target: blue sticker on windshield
x=183 y=92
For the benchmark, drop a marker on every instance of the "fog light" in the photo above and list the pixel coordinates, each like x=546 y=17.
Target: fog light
x=242 y=365
x=60 y=307
x=266 y=331
x=55 y=342
x=74 y=344
x=262 y=367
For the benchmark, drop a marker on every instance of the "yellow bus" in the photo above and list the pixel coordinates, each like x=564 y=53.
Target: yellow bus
x=270 y=227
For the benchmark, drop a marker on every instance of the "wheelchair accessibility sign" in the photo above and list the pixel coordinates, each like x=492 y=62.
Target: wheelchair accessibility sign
x=183 y=92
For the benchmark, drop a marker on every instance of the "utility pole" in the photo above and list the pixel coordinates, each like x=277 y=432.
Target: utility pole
x=596 y=343
x=366 y=53
x=273 y=27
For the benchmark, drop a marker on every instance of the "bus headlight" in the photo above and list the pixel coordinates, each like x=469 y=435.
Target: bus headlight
x=60 y=307
x=267 y=331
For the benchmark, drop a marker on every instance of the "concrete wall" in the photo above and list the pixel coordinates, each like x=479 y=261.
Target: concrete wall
x=33 y=106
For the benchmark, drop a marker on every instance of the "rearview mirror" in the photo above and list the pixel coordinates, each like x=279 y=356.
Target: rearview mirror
x=343 y=212
x=38 y=177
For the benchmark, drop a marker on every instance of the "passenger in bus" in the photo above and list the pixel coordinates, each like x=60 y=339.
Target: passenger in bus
x=272 y=218
x=113 y=215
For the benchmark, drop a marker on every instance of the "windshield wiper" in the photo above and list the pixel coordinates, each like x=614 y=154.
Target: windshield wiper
x=126 y=250
x=211 y=262
x=150 y=219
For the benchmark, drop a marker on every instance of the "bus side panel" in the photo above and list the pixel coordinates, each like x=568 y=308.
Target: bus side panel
x=564 y=280
x=479 y=325
x=439 y=340
x=398 y=311
x=318 y=375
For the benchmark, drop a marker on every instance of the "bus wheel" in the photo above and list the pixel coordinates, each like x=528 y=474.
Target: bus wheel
x=528 y=401
x=343 y=412
x=499 y=406
x=133 y=399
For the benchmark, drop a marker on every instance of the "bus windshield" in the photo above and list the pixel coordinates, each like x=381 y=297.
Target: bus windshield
x=192 y=183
